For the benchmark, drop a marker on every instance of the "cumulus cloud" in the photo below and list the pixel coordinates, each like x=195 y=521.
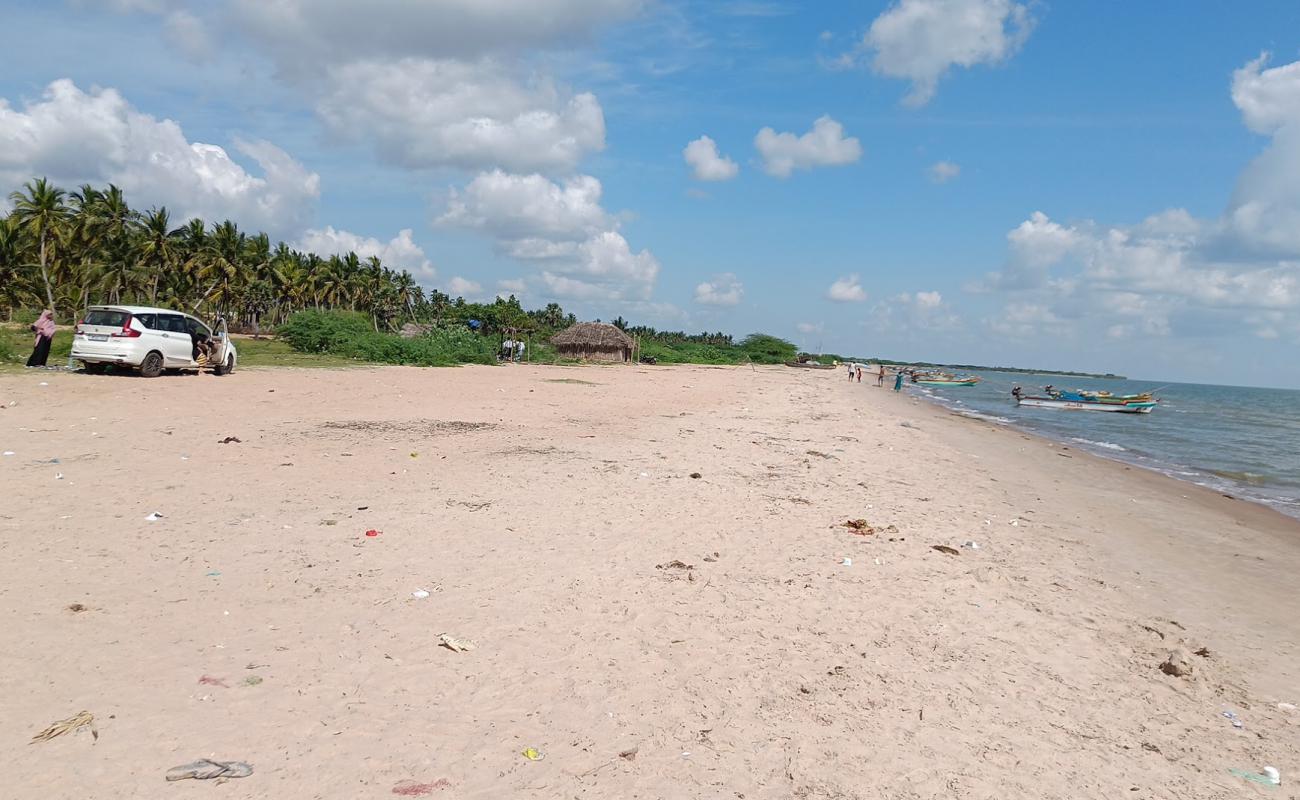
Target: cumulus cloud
x=1264 y=211
x=400 y=252
x=512 y=286
x=847 y=290
x=561 y=228
x=528 y=207
x=825 y=145
x=703 y=157
x=432 y=113
x=920 y=40
x=723 y=290
x=463 y=287
x=77 y=137
x=943 y=171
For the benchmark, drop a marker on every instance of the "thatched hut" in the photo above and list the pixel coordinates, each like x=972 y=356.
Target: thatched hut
x=594 y=341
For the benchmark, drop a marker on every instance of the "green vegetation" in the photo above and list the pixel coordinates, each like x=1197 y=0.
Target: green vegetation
x=349 y=335
x=275 y=353
x=757 y=348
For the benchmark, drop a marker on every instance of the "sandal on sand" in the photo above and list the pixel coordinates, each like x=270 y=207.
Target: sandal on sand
x=205 y=769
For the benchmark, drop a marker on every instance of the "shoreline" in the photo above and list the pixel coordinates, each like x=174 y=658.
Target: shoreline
x=649 y=559
x=1229 y=488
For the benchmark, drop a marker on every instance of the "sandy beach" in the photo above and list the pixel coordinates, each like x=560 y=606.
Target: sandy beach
x=651 y=633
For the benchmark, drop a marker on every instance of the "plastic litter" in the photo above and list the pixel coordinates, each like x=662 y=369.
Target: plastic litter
x=9 y=453
x=58 y=476
x=454 y=644
x=154 y=517
x=1232 y=717
x=419 y=594
x=848 y=562
x=533 y=754
x=216 y=573
x=971 y=544
x=1287 y=707
x=372 y=533
x=1269 y=777
x=207 y=769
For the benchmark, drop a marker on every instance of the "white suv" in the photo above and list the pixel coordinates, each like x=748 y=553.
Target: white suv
x=151 y=340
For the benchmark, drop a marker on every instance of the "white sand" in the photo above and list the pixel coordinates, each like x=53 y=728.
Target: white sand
x=535 y=513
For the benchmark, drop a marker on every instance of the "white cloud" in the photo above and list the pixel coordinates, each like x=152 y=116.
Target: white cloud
x=846 y=290
x=97 y=137
x=463 y=287
x=723 y=290
x=472 y=115
x=929 y=299
x=943 y=171
x=920 y=40
x=825 y=145
x=1264 y=212
x=1269 y=99
x=512 y=285
x=703 y=157
x=400 y=252
x=307 y=34
x=524 y=207
x=809 y=327
x=561 y=228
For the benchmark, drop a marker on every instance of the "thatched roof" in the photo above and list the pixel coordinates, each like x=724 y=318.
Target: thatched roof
x=592 y=335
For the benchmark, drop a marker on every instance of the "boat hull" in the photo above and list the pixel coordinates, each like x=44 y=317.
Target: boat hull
x=1073 y=405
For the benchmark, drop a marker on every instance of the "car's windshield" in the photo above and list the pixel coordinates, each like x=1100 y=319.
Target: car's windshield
x=105 y=316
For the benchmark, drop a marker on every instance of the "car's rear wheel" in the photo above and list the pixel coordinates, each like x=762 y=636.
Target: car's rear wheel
x=152 y=366
x=226 y=368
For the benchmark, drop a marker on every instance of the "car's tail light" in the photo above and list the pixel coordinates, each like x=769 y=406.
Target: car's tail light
x=127 y=331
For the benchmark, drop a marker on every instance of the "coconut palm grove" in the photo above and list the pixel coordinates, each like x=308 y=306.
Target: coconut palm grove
x=70 y=249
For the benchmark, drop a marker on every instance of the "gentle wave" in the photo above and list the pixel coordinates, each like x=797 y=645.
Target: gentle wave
x=1107 y=445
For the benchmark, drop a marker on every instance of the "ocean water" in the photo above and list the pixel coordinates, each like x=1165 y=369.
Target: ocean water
x=1239 y=441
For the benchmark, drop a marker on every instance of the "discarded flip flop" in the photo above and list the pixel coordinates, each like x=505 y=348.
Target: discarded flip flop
x=207 y=769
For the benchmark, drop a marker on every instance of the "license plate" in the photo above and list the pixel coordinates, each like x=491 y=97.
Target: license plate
x=95 y=338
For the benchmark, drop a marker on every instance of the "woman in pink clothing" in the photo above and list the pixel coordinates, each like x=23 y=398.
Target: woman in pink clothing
x=44 y=329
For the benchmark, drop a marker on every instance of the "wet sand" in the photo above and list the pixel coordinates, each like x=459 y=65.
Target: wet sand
x=543 y=509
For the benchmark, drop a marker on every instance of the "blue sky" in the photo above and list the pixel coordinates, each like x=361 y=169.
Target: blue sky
x=1106 y=186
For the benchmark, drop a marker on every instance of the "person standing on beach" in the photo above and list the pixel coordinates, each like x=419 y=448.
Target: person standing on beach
x=850 y=366
x=880 y=375
x=858 y=368
x=44 y=329
x=898 y=381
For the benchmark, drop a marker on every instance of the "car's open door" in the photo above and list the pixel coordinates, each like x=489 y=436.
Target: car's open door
x=220 y=342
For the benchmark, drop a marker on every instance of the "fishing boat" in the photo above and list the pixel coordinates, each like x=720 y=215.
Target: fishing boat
x=1075 y=401
x=809 y=365
x=943 y=379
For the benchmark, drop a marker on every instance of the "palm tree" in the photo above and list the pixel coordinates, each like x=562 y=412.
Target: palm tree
x=41 y=214
x=158 y=247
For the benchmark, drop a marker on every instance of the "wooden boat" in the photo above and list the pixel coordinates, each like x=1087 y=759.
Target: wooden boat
x=944 y=379
x=1075 y=402
x=809 y=365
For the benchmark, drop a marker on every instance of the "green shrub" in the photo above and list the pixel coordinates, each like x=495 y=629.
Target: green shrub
x=350 y=335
